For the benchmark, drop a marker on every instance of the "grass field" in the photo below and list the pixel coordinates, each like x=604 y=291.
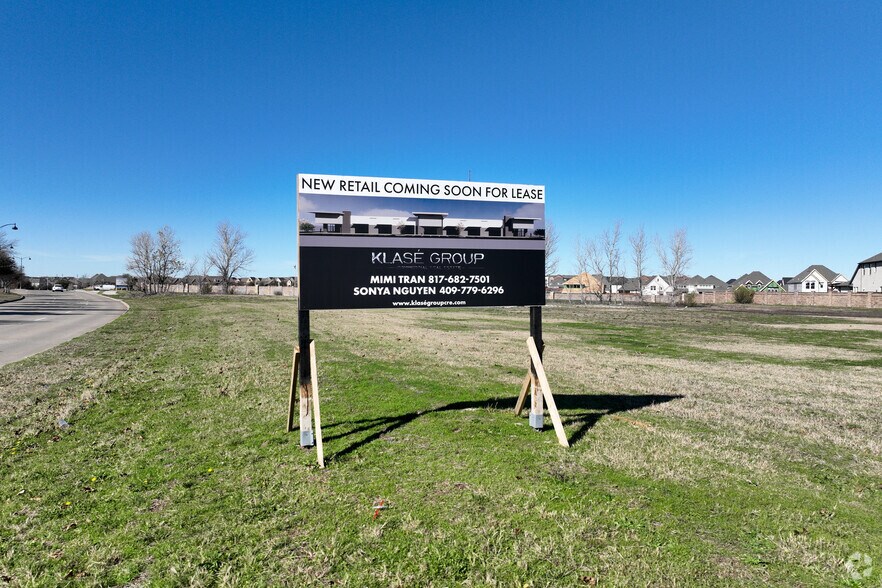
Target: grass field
x=708 y=448
x=8 y=297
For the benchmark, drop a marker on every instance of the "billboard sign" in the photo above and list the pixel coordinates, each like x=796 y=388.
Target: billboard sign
x=368 y=242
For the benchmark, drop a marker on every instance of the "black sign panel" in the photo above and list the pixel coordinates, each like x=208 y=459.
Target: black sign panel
x=358 y=277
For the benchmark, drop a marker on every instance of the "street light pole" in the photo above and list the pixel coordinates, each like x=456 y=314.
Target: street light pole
x=21 y=268
x=13 y=225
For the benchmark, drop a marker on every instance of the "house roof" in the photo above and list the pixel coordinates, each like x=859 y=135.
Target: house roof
x=874 y=259
x=754 y=277
x=612 y=280
x=583 y=279
x=825 y=271
x=631 y=284
x=711 y=280
x=717 y=282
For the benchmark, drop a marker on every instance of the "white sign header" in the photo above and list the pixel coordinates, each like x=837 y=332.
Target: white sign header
x=409 y=188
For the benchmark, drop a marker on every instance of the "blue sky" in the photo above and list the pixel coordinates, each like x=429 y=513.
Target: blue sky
x=757 y=126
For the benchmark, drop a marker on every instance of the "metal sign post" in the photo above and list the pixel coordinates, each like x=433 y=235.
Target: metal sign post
x=537 y=413
x=537 y=382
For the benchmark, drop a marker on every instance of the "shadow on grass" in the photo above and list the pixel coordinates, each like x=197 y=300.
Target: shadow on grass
x=585 y=410
x=582 y=411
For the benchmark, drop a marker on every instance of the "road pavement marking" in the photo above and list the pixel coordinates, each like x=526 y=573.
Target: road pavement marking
x=40 y=319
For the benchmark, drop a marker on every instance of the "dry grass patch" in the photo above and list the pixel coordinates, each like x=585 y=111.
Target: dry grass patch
x=865 y=326
x=793 y=352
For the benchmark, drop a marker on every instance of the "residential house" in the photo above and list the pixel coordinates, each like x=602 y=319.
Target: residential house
x=98 y=280
x=755 y=280
x=816 y=278
x=631 y=286
x=634 y=285
x=555 y=281
x=657 y=286
x=581 y=284
x=772 y=286
x=699 y=284
x=613 y=284
x=868 y=275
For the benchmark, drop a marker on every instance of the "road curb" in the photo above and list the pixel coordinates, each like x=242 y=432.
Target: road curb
x=20 y=297
x=98 y=294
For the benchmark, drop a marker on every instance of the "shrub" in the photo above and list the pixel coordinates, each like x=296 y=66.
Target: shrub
x=205 y=287
x=743 y=295
x=690 y=299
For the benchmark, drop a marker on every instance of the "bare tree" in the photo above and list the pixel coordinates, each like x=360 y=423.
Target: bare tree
x=582 y=263
x=551 y=242
x=638 y=256
x=612 y=255
x=589 y=259
x=190 y=271
x=169 y=260
x=229 y=255
x=601 y=257
x=155 y=261
x=140 y=261
x=674 y=256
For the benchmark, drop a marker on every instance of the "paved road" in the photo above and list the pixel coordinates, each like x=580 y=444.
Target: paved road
x=44 y=319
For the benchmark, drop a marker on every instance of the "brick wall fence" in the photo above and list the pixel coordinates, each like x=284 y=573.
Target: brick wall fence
x=249 y=290
x=833 y=299
x=589 y=298
x=830 y=299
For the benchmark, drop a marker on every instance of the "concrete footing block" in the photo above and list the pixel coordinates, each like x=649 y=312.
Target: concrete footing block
x=537 y=421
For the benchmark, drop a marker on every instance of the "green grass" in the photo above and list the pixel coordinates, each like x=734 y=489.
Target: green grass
x=689 y=465
x=9 y=297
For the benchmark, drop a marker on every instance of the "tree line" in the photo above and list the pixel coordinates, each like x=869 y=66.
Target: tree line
x=156 y=260
x=603 y=256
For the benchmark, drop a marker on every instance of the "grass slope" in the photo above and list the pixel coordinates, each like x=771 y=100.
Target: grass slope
x=709 y=448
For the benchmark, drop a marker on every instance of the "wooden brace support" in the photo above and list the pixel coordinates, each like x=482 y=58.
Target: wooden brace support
x=545 y=388
x=314 y=397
